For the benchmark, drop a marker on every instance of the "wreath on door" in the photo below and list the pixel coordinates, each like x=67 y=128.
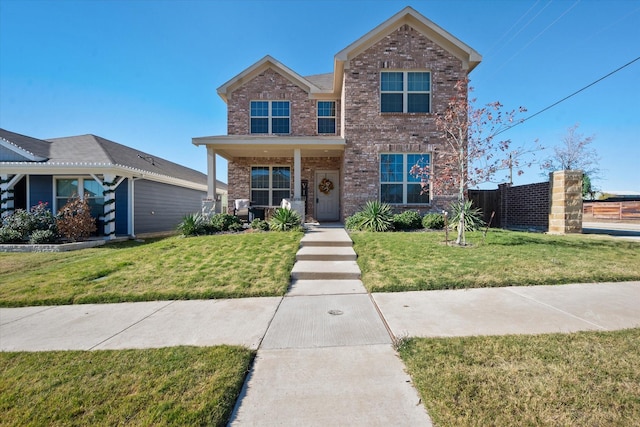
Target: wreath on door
x=325 y=186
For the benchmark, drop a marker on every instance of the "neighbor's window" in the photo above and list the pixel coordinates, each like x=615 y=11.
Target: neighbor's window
x=405 y=92
x=91 y=191
x=327 y=117
x=270 y=117
x=397 y=185
x=270 y=184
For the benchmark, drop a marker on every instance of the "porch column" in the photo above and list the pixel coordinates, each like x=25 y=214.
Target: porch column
x=109 y=185
x=6 y=193
x=297 y=170
x=211 y=173
x=6 y=196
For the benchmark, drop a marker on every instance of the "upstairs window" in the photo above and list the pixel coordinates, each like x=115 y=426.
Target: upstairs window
x=397 y=185
x=405 y=92
x=270 y=117
x=326 y=117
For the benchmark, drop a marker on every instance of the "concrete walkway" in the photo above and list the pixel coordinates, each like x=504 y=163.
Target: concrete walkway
x=325 y=353
x=327 y=357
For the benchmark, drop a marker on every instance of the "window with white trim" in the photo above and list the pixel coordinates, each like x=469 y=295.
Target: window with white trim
x=405 y=92
x=270 y=117
x=326 y=117
x=270 y=184
x=397 y=185
x=84 y=188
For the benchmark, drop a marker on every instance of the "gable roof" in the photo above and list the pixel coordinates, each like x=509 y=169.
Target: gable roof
x=330 y=83
x=31 y=149
x=469 y=57
x=94 y=152
x=268 y=62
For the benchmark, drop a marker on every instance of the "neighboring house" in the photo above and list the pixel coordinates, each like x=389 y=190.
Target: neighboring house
x=130 y=192
x=331 y=142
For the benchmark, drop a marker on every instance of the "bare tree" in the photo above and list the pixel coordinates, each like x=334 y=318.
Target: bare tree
x=476 y=154
x=574 y=153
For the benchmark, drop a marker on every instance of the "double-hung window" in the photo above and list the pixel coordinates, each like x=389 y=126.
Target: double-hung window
x=405 y=92
x=397 y=185
x=270 y=184
x=270 y=117
x=326 y=117
x=84 y=188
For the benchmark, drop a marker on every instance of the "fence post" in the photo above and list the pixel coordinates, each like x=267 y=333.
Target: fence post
x=565 y=214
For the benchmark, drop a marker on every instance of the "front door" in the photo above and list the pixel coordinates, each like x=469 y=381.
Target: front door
x=327 y=195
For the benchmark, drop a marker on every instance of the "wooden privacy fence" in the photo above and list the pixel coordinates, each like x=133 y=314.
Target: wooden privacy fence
x=612 y=210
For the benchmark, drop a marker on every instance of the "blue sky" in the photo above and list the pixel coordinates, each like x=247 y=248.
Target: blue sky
x=145 y=73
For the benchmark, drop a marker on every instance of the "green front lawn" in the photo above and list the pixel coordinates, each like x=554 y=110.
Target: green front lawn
x=581 y=379
x=218 y=266
x=169 y=386
x=421 y=260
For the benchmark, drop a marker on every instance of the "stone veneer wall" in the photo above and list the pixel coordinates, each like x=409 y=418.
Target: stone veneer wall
x=369 y=132
x=566 y=202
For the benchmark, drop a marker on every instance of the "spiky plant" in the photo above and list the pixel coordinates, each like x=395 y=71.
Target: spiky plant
x=285 y=219
x=376 y=216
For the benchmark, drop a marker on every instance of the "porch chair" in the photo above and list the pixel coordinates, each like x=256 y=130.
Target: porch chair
x=241 y=209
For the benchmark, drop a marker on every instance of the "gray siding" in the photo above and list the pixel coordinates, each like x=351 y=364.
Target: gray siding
x=160 y=207
x=7 y=155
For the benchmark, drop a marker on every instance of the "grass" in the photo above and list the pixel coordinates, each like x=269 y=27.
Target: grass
x=218 y=266
x=581 y=379
x=421 y=261
x=170 y=386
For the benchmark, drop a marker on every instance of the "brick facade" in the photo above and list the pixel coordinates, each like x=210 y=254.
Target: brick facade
x=369 y=132
x=408 y=42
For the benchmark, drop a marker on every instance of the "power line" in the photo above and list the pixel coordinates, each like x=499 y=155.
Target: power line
x=568 y=96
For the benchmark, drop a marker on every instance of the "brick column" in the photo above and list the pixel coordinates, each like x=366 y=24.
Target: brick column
x=565 y=215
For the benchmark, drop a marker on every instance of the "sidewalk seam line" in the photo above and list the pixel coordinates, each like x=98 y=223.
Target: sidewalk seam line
x=131 y=325
x=28 y=315
x=556 y=309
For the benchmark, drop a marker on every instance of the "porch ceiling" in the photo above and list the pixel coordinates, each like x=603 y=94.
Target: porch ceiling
x=231 y=146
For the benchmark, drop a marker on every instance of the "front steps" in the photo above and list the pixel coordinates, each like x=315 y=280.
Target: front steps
x=326 y=255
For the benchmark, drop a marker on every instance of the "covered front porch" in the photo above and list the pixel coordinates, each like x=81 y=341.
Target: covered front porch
x=266 y=169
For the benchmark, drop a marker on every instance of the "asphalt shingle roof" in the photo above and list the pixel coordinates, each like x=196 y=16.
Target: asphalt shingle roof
x=100 y=151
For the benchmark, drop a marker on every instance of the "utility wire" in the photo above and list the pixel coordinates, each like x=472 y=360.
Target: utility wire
x=568 y=96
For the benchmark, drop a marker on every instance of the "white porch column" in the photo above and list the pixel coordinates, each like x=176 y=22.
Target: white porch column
x=211 y=173
x=6 y=193
x=297 y=170
x=6 y=196
x=109 y=185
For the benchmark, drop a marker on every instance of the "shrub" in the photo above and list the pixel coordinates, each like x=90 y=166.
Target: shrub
x=433 y=221
x=285 y=219
x=43 y=236
x=472 y=216
x=224 y=222
x=259 y=224
x=24 y=223
x=353 y=222
x=21 y=222
x=407 y=220
x=75 y=221
x=9 y=235
x=376 y=216
x=192 y=225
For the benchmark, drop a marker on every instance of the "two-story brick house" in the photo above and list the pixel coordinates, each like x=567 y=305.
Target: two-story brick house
x=334 y=141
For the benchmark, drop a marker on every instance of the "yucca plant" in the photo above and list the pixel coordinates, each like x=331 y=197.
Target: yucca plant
x=472 y=219
x=192 y=225
x=376 y=216
x=285 y=219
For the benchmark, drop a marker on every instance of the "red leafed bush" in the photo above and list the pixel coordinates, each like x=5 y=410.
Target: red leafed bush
x=75 y=221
